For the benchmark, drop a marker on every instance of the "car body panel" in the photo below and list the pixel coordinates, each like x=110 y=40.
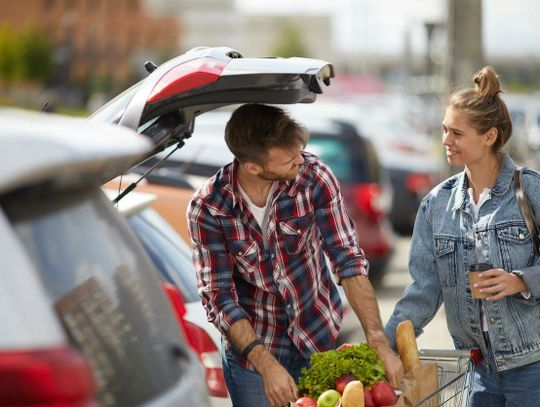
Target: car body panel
x=46 y=144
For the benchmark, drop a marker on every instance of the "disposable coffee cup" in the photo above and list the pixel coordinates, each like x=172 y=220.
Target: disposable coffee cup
x=474 y=271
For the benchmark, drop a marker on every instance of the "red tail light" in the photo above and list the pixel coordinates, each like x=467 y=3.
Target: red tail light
x=366 y=197
x=210 y=358
x=201 y=343
x=58 y=377
x=189 y=75
x=418 y=182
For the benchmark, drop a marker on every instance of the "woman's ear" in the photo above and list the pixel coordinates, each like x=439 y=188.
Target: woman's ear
x=491 y=136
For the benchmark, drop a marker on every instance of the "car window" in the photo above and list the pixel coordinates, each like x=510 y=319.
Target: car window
x=112 y=111
x=104 y=289
x=347 y=163
x=168 y=251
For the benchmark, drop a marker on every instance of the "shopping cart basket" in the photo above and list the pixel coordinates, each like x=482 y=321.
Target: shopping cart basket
x=455 y=377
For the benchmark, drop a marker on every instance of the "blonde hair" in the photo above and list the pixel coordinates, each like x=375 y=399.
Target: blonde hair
x=483 y=106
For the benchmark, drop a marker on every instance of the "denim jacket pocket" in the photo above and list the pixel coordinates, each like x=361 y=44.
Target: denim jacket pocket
x=295 y=231
x=445 y=257
x=515 y=246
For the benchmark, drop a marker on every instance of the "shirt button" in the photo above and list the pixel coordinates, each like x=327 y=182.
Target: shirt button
x=492 y=320
x=289 y=306
x=240 y=253
x=272 y=255
x=521 y=236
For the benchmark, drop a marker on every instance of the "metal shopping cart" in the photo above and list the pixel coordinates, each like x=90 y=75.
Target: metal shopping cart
x=455 y=371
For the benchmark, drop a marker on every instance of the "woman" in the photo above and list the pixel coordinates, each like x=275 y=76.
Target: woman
x=470 y=218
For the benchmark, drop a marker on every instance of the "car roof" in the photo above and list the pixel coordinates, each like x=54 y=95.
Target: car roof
x=36 y=147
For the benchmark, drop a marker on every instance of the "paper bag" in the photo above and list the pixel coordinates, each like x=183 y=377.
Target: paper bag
x=418 y=384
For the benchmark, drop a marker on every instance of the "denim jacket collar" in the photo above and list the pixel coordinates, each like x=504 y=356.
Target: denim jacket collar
x=502 y=183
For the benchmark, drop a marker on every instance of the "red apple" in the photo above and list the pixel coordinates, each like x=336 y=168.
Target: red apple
x=342 y=381
x=383 y=394
x=306 y=402
x=368 y=399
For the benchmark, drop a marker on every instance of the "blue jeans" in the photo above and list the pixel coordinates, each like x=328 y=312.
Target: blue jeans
x=518 y=387
x=246 y=387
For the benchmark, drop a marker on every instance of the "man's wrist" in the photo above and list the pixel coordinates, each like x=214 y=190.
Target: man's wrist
x=250 y=347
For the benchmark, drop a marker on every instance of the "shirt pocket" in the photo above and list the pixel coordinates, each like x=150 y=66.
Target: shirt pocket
x=516 y=247
x=295 y=232
x=445 y=257
x=245 y=254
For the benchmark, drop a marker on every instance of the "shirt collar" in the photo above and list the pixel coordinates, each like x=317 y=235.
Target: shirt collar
x=501 y=185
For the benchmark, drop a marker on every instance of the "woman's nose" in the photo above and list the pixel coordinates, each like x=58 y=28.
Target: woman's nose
x=447 y=139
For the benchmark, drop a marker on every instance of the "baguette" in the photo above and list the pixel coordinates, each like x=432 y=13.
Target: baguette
x=406 y=345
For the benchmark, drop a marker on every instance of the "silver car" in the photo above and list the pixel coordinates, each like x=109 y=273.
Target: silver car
x=84 y=319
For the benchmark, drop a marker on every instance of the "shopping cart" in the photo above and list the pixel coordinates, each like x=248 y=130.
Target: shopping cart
x=455 y=377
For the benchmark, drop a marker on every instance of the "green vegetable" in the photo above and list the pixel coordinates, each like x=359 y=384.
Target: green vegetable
x=359 y=360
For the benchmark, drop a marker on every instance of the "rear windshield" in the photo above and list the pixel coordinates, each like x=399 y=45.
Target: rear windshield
x=350 y=161
x=104 y=289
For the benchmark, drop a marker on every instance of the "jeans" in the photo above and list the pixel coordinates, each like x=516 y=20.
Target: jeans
x=517 y=387
x=246 y=387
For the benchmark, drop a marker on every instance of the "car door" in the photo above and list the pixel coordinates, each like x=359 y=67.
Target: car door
x=163 y=105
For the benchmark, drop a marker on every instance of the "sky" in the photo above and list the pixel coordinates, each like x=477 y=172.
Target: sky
x=510 y=27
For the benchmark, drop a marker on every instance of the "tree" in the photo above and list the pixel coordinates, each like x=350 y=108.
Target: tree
x=289 y=43
x=35 y=54
x=9 y=55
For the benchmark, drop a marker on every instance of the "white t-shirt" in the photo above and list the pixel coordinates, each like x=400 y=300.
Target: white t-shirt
x=260 y=213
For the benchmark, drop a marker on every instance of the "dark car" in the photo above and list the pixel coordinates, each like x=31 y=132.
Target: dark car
x=366 y=193
x=409 y=162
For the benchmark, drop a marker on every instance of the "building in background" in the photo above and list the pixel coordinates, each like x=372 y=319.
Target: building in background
x=96 y=41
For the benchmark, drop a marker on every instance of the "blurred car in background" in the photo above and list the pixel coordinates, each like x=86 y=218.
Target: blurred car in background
x=172 y=257
x=409 y=159
x=85 y=321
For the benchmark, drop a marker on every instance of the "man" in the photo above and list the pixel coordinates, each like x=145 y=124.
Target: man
x=260 y=228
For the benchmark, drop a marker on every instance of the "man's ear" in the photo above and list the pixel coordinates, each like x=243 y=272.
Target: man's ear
x=491 y=136
x=252 y=168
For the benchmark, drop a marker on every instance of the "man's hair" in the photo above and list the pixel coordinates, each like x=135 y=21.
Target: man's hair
x=254 y=128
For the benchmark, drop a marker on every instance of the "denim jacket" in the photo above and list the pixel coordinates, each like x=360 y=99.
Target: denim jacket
x=446 y=239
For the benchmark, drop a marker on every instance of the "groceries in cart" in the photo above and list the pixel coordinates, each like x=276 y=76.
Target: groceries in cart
x=350 y=376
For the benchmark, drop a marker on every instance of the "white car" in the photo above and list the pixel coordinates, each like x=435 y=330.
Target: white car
x=84 y=320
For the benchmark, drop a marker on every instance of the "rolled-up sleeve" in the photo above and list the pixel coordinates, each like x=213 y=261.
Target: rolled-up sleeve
x=336 y=227
x=214 y=267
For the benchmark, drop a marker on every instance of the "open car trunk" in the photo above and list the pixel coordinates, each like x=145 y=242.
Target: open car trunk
x=163 y=105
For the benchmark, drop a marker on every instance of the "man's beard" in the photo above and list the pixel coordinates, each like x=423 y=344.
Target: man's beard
x=272 y=176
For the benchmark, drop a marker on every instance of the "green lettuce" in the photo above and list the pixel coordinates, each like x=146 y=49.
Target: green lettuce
x=359 y=360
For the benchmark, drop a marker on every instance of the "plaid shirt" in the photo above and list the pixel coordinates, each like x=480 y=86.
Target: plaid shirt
x=286 y=290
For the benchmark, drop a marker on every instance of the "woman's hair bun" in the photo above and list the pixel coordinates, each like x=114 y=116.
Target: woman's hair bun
x=487 y=82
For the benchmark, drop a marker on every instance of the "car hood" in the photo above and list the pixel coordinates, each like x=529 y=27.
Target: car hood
x=163 y=105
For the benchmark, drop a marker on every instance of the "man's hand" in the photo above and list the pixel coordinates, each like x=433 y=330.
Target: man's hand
x=498 y=283
x=392 y=365
x=279 y=385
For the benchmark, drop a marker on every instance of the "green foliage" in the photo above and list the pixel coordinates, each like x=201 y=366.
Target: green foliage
x=26 y=54
x=359 y=360
x=9 y=54
x=35 y=54
x=289 y=43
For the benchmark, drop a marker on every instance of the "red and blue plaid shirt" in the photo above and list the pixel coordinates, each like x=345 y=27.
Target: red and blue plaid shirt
x=285 y=290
